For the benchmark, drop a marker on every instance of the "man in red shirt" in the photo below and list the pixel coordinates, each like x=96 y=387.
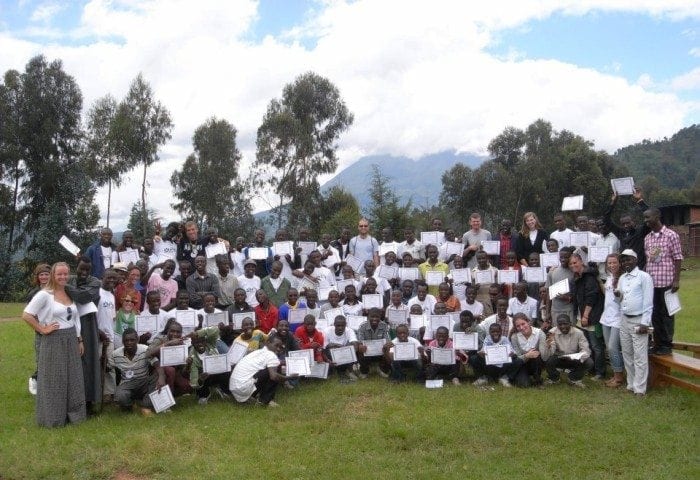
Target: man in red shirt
x=266 y=314
x=310 y=338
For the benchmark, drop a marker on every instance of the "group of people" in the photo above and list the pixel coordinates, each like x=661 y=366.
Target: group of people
x=433 y=309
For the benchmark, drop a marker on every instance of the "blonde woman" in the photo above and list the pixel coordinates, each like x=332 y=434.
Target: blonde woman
x=531 y=238
x=60 y=390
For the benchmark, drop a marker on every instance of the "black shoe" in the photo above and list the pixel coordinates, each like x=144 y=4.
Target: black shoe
x=663 y=351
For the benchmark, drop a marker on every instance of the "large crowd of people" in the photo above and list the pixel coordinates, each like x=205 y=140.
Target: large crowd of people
x=204 y=316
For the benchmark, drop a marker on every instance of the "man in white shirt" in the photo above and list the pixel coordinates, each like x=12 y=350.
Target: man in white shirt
x=106 y=314
x=363 y=245
x=606 y=239
x=635 y=290
x=522 y=303
x=472 y=239
x=561 y=234
x=330 y=257
x=412 y=246
x=340 y=336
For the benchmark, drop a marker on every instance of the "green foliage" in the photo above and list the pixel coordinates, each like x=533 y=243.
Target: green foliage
x=337 y=208
x=296 y=142
x=208 y=186
x=136 y=222
x=385 y=209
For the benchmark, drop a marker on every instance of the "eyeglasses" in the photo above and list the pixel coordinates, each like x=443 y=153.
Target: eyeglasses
x=70 y=314
x=363 y=226
x=127 y=301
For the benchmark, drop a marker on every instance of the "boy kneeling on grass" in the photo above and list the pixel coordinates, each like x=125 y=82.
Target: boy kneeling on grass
x=339 y=336
x=563 y=342
x=255 y=377
x=203 y=344
x=504 y=372
x=399 y=368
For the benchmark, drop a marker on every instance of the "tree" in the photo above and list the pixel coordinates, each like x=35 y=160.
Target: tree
x=296 y=142
x=101 y=147
x=141 y=125
x=208 y=186
x=135 y=224
x=337 y=208
x=385 y=210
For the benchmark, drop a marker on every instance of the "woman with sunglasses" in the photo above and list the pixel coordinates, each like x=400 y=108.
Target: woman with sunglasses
x=60 y=390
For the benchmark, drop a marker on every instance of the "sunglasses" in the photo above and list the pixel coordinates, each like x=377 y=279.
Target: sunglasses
x=70 y=314
x=127 y=301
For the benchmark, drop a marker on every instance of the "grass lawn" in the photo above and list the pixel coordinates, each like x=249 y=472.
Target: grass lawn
x=370 y=429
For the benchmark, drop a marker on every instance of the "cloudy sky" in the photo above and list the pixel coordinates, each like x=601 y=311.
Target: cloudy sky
x=420 y=77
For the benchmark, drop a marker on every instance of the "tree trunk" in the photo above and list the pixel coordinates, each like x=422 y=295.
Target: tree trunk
x=144 y=215
x=14 y=212
x=109 y=198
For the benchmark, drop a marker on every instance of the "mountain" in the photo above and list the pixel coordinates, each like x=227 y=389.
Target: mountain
x=415 y=180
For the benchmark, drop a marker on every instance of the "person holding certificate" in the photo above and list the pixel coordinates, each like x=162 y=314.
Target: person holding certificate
x=175 y=375
x=255 y=377
x=531 y=238
x=364 y=246
x=628 y=232
x=423 y=299
x=472 y=240
x=275 y=286
x=411 y=245
x=261 y=254
x=201 y=282
x=292 y=303
x=373 y=330
x=529 y=344
x=567 y=348
x=310 y=338
x=405 y=354
x=483 y=277
x=203 y=345
x=435 y=368
x=496 y=359
x=126 y=252
x=134 y=363
x=562 y=303
x=100 y=253
x=339 y=336
x=501 y=317
x=252 y=338
x=432 y=267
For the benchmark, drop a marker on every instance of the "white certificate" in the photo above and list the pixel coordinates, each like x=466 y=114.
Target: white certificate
x=385 y=248
x=578 y=239
x=305 y=353
x=296 y=315
x=409 y=273
x=572 y=203
x=465 y=341
x=322 y=324
x=236 y=352
x=66 y=243
x=442 y=356
x=307 y=247
x=432 y=238
x=214 y=319
x=175 y=355
x=372 y=300
x=257 y=253
x=559 y=288
x=460 y=291
x=483 y=277
x=319 y=370
x=508 y=276
x=283 y=248
x=396 y=317
x=622 y=186
x=343 y=355
x=213 y=364
x=418 y=321
x=388 y=271
x=434 y=277
x=237 y=319
x=438 y=383
x=107 y=261
x=146 y=323
x=405 y=351
x=323 y=293
x=128 y=256
x=375 y=348
x=354 y=321
x=453 y=248
x=534 y=274
x=214 y=249
x=437 y=321
x=186 y=318
x=340 y=286
x=354 y=262
x=492 y=247
x=497 y=354
x=549 y=259
x=331 y=313
x=673 y=302
x=599 y=253
x=461 y=275
x=86 y=308
x=162 y=400
x=576 y=356
x=298 y=365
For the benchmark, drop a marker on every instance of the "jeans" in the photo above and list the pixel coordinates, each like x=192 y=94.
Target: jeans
x=598 y=351
x=612 y=343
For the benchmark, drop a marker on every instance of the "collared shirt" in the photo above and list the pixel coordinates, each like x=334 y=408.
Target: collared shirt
x=137 y=367
x=438 y=267
x=416 y=249
x=227 y=285
x=528 y=307
x=662 y=249
x=637 y=291
x=365 y=332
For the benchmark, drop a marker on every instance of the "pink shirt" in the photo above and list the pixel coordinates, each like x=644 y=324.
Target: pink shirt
x=166 y=288
x=662 y=249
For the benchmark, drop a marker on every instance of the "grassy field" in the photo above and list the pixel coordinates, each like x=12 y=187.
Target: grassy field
x=370 y=429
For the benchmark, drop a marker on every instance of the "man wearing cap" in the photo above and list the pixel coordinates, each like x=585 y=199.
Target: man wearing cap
x=635 y=292
x=663 y=250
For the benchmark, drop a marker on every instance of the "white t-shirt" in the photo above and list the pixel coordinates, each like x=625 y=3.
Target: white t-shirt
x=106 y=313
x=47 y=310
x=250 y=285
x=562 y=237
x=408 y=340
x=477 y=308
x=529 y=307
x=237 y=258
x=242 y=383
x=346 y=338
x=364 y=249
x=166 y=250
x=427 y=305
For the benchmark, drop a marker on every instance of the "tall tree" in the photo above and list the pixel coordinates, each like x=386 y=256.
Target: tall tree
x=385 y=209
x=135 y=224
x=297 y=142
x=104 y=163
x=208 y=186
x=338 y=208
x=142 y=124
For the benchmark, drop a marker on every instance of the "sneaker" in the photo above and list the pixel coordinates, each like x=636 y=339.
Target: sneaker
x=382 y=373
x=351 y=376
x=549 y=381
x=32 y=385
x=504 y=381
x=273 y=404
x=577 y=383
x=362 y=375
x=480 y=382
x=222 y=395
x=598 y=378
x=203 y=401
x=455 y=381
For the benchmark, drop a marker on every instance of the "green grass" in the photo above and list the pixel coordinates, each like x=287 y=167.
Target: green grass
x=367 y=430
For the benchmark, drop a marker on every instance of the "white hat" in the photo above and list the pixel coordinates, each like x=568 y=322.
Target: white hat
x=628 y=253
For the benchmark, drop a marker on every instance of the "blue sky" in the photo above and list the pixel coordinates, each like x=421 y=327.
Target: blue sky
x=420 y=77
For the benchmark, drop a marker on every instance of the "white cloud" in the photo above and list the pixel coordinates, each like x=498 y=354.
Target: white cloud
x=45 y=12
x=687 y=81
x=416 y=75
